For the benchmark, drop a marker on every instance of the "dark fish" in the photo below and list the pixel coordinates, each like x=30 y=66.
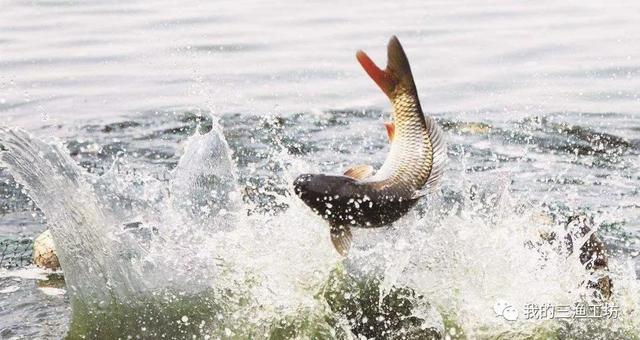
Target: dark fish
x=366 y=198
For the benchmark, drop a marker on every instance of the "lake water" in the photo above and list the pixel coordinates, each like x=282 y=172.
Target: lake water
x=541 y=98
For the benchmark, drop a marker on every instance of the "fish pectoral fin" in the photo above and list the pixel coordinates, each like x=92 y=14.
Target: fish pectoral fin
x=360 y=171
x=391 y=130
x=341 y=239
x=422 y=192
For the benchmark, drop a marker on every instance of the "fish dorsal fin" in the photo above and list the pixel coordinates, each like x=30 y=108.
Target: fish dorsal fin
x=439 y=149
x=396 y=76
x=391 y=130
x=360 y=171
x=341 y=239
x=439 y=163
x=439 y=160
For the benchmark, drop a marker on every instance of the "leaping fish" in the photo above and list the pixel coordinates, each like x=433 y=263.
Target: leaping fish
x=366 y=198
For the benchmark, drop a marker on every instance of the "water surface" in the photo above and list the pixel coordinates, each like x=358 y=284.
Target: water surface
x=551 y=91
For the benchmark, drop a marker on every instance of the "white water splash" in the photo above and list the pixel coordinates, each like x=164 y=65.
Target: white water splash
x=488 y=250
x=125 y=236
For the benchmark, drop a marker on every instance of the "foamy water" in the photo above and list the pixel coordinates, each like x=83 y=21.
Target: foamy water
x=188 y=227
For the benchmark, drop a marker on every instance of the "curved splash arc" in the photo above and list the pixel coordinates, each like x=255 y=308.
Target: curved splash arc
x=105 y=259
x=79 y=225
x=203 y=185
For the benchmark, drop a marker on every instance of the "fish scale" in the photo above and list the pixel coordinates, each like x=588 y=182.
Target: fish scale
x=416 y=160
x=411 y=153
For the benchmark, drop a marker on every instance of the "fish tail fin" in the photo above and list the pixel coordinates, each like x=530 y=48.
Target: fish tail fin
x=397 y=74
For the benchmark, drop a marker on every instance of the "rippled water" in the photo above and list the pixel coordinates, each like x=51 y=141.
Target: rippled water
x=539 y=98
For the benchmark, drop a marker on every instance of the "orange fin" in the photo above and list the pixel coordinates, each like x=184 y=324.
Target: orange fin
x=396 y=74
x=391 y=130
x=360 y=171
x=341 y=239
x=382 y=78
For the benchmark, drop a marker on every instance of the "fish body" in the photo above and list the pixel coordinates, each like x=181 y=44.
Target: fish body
x=366 y=198
x=345 y=201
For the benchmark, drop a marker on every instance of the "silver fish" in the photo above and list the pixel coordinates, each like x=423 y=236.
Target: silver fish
x=366 y=198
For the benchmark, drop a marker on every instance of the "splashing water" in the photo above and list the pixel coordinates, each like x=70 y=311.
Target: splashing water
x=180 y=256
x=123 y=238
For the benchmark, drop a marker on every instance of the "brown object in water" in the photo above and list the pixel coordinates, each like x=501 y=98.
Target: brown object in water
x=44 y=252
x=592 y=252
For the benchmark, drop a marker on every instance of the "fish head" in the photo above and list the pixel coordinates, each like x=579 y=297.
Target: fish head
x=315 y=190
